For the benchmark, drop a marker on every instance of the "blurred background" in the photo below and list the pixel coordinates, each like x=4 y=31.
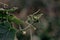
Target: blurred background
x=49 y=26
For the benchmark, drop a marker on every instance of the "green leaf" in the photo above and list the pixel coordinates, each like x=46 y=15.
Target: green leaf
x=15 y=20
x=9 y=35
x=6 y=31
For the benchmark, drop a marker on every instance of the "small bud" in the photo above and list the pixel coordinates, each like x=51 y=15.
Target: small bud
x=34 y=28
x=24 y=32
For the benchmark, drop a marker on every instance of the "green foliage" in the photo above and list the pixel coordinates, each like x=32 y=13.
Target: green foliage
x=7 y=31
x=14 y=19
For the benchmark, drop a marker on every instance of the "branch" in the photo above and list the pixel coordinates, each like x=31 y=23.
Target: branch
x=29 y=25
